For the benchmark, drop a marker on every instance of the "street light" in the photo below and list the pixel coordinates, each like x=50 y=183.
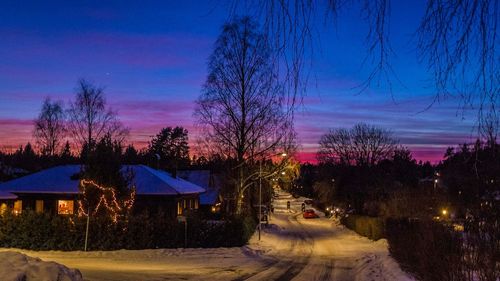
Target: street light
x=260 y=191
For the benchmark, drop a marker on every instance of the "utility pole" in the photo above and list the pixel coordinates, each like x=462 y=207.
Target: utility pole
x=87 y=230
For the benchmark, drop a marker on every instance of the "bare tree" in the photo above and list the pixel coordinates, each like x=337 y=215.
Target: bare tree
x=241 y=107
x=490 y=125
x=361 y=145
x=50 y=127
x=90 y=119
x=457 y=40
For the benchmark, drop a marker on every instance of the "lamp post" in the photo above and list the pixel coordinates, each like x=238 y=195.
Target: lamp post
x=260 y=192
x=87 y=229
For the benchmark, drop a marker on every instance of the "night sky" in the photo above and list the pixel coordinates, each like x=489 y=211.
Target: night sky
x=151 y=57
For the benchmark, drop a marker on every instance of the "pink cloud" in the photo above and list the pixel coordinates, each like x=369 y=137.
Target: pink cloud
x=16 y=122
x=15 y=132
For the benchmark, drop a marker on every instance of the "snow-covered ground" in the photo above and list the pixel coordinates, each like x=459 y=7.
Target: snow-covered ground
x=18 y=267
x=291 y=248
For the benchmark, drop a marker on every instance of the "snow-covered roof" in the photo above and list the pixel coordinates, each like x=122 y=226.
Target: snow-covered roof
x=199 y=177
x=206 y=180
x=209 y=197
x=62 y=179
x=54 y=180
x=6 y=195
x=151 y=181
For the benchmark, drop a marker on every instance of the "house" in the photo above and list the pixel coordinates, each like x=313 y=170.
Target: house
x=210 y=200
x=55 y=190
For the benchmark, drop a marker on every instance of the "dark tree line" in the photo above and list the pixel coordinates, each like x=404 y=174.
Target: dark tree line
x=471 y=173
x=362 y=167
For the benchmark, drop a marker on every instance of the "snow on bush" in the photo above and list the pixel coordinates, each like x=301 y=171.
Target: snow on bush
x=15 y=266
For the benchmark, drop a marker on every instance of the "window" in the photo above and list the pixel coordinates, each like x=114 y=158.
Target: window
x=185 y=204
x=179 y=208
x=65 y=207
x=190 y=203
x=39 y=206
x=196 y=204
x=18 y=207
x=3 y=208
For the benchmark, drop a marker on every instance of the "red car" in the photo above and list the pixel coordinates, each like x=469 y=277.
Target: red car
x=309 y=214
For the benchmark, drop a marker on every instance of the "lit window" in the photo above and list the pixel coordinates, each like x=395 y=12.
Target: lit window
x=65 y=207
x=179 y=208
x=3 y=208
x=190 y=203
x=185 y=204
x=196 y=204
x=39 y=206
x=18 y=207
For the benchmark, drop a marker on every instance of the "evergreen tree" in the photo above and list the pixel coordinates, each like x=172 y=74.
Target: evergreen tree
x=131 y=156
x=171 y=146
x=106 y=188
x=66 y=156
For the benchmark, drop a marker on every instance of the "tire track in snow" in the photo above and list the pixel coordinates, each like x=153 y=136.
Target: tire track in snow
x=289 y=266
x=327 y=271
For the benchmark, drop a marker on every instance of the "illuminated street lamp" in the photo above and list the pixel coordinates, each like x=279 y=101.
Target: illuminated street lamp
x=437 y=175
x=444 y=212
x=260 y=191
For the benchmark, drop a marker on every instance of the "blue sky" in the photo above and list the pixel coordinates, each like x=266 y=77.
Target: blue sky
x=151 y=57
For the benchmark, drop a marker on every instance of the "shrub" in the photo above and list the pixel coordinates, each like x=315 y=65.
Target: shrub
x=371 y=227
x=33 y=231
x=428 y=249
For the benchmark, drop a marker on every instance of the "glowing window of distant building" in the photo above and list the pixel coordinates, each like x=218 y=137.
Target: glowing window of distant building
x=3 y=208
x=18 y=207
x=185 y=204
x=65 y=207
x=196 y=204
x=179 y=208
x=39 y=206
x=190 y=203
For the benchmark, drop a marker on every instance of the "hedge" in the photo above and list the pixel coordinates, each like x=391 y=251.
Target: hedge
x=434 y=251
x=33 y=231
x=371 y=227
x=430 y=250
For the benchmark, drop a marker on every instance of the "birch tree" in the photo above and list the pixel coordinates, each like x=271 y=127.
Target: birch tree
x=242 y=106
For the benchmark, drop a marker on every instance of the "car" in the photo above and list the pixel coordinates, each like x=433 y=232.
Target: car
x=310 y=214
x=308 y=201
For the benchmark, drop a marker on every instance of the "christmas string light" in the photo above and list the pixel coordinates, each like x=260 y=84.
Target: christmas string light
x=113 y=206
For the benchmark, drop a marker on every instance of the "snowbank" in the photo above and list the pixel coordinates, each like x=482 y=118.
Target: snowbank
x=15 y=266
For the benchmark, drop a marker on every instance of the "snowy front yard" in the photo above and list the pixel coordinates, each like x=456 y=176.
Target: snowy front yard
x=290 y=248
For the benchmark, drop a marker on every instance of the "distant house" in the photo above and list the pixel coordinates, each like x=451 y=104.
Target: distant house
x=7 y=172
x=210 y=200
x=55 y=190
